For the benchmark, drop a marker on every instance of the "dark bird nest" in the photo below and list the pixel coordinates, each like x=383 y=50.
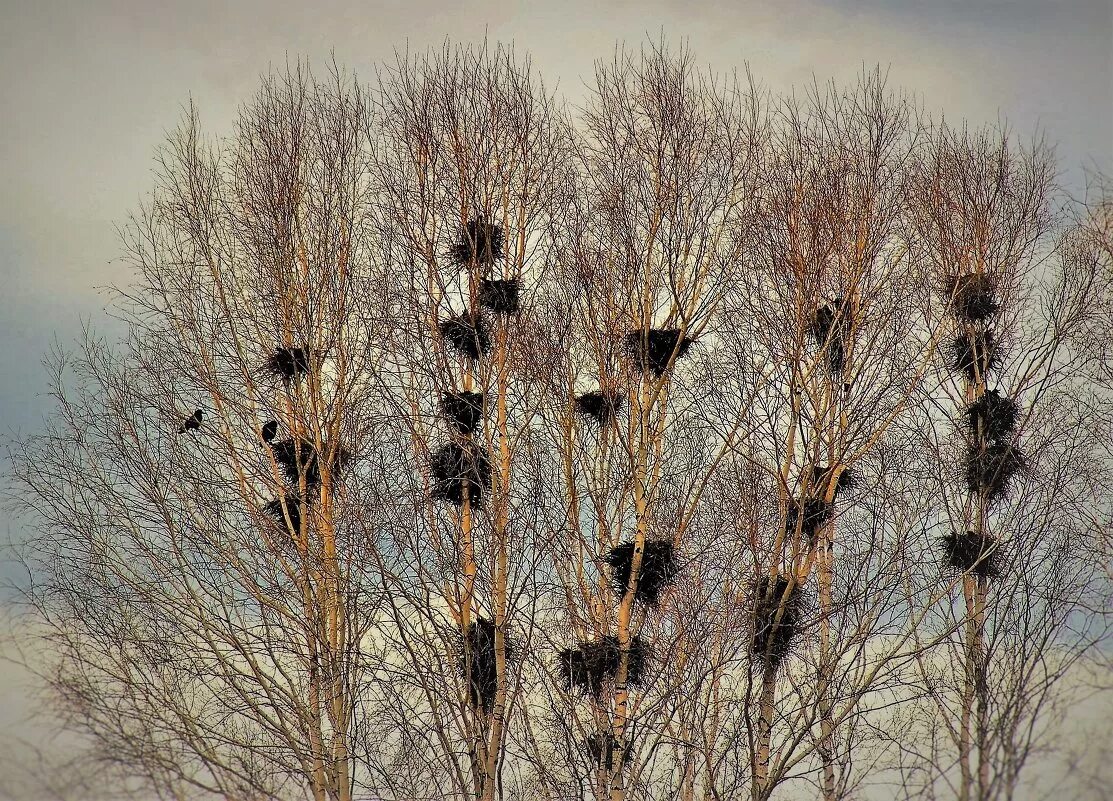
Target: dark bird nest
x=193 y=422
x=288 y=363
x=463 y=410
x=281 y=509
x=973 y=296
x=603 y=406
x=811 y=515
x=591 y=665
x=299 y=457
x=269 y=431
x=480 y=242
x=992 y=417
x=975 y=353
x=830 y=328
x=821 y=478
x=653 y=350
x=478 y=663
x=658 y=568
x=970 y=552
x=501 y=297
x=778 y=609
x=460 y=472
x=991 y=467
x=602 y=748
x=466 y=334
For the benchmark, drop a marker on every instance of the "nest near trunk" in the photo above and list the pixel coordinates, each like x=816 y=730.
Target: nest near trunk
x=821 y=479
x=602 y=406
x=461 y=471
x=992 y=417
x=810 y=514
x=658 y=568
x=991 y=467
x=477 y=662
x=466 y=334
x=288 y=363
x=593 y=664
x=653 y=350
x=970 y=552
x=463 y=410
x=602 y=748
x=287 y=511
x=298 y=456
x=830 y=328
x=480 y=242
x=975 y=354
x=501 y=297
x=778 y=608
x=973 y=296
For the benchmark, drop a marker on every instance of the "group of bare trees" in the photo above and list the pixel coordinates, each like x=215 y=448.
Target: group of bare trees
x=692 y=443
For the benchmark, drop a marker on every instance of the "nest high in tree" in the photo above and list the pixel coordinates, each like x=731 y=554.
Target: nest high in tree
x=658 y=568
x=652 y=350
x=990 y=468
x=975 y=353
x=602 y=406
x=269 y=431
x=973 y=296
x=591 y=665
x=601 y=748
x=460 y=472
x=297 y=457
x=970 y=552
x=466 y=334
x=480 y=242
x=821 y=477
x=478 y=664
x=501 y=297
x=288 y=363
x=778 y=608
x=811 y=515
x=280 y=511
x=463 y=410
x=992 y=416
x=193 y=422
x=831 y=329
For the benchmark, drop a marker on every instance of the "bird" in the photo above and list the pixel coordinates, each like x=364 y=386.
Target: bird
x=269 y=431
x=192 y=422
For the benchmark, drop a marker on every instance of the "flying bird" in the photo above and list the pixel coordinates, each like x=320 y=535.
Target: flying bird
x=192 y=422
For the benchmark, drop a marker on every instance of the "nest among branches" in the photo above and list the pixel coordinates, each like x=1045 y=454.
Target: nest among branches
x=287 y=511
x=480 y=242
x=193 y=422
x=602 y=748
x=821 y=478
x=830 y=329
x=657 y=570
x=778 y=608
x=973 y=296
x=461 y=471
x=466 y=334
x=992 y=417
x=463 y=410
x=478 y=665
x=654 y=350
x=269 y=430
x=811 y=515
x=975 y=353
x=591 y=665
x=602 y=406
x=297 y=457
x=501 y=297
x=288 y=363
x=970 y=552
x=991 y=467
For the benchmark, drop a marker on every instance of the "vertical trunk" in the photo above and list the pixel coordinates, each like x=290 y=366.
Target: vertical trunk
x=965 y=736
x=828 y=783
x=761 y=784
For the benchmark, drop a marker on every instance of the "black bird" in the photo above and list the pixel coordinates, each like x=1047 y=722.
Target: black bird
x=192 y=422
x=269 y=431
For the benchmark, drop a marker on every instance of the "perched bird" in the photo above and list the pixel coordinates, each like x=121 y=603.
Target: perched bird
x=192 y=422
x=269 y=431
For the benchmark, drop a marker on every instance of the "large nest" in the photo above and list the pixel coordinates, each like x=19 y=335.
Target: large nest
x=975 y=353
x=811 y=515
x=466 y=334
x=460 y=472
x=973 y=296
x=480 y=242
x=501 y=297
x=990 y=468
x=992 y=417
x=658 y=568
x=821 y=479
x=603 y=406
x=591 y=665
x=830 y=327
x=288 y=363
x=970 y=552
x=287 y=511
x=654 y=350
x=298 y=457
x=463 y=410
x=478 y=664
x=778 y=608
x=602 y=748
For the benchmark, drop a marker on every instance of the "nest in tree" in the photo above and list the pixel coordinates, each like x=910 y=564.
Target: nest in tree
x=603 y=406
x=975 y=353
x=501 y=297
x=288 y=363
x=654 y=349
x=810 y=515
x=193 y=422
x=658 y=568
x=463 y=410
x=478 y=664
x=591 y=665
x=480 y=242
x=460 y=472
x=281 y=509
x=831 y=329
x=269 y=431
x=465 y=334
x=970 y=552
x=990 y=468
x=992 y=417
x=602 y=748
x=973 y=296
x=821 y=477
x=777 y=612
x=299 y=457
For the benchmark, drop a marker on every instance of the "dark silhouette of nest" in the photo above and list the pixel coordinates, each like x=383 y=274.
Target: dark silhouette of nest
x=288 y=363
x=501 y=297
x=193 y=422
x=975 y=353
x=460 y=472
x=653 y=350
x=298 y=457
x=973 y=296
x=821 y=477
x=280 y=511
x=970 y=552
x=463 y=410
x=991 y=467
x=480 y=242
x=269 y=431
x=831 y=329
x=811 y=515
x=778 y=608
x=591 y=665
x=478 y=665
x=658 y=568
x=602 y=748
x=992 y=417
x=467 y=335
x=603 y=406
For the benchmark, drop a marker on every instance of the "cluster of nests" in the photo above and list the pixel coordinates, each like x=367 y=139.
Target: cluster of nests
x=831 y=327
x=976 y=350
x=461 y=468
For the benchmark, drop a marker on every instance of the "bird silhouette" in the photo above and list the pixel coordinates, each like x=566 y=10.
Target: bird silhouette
x=269 y=431
x=192 y=422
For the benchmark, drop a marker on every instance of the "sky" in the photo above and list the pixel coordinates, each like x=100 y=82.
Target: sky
x=89 y=88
